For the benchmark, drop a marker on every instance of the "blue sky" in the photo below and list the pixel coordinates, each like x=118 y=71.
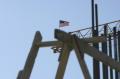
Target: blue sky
x=20 y=19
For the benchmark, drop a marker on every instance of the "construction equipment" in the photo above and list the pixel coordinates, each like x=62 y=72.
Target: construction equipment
x=68 y=42
x=83 y=41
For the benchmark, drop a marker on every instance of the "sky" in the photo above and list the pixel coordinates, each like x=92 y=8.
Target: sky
x=20 y=19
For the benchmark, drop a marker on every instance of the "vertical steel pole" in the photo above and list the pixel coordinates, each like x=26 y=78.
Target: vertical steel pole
x=119 y=48
x=96 y=16
x=96 y=71
x=92 y=8
x=110 y=54
x=115 y=49
x=119 y=44
x=104 y=49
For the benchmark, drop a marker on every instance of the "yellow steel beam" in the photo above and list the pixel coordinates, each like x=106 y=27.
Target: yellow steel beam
x=66 y=37
x=98 y=55
x=26 y=72
x=63 y=62
x=80 y=57
x=50 y=43
x=95 y=39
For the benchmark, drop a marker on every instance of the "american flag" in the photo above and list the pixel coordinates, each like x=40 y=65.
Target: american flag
x=63 y=23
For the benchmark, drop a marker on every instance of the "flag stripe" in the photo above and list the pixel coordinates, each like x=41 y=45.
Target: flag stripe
x=63 y=23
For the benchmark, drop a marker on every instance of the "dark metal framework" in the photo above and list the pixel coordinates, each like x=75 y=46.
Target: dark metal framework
x=111 y=47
